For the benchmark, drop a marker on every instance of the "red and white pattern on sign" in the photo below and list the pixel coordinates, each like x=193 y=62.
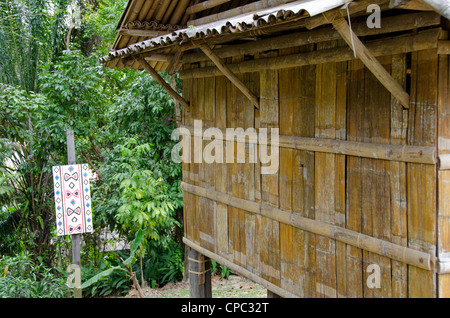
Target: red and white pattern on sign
x=72 y=199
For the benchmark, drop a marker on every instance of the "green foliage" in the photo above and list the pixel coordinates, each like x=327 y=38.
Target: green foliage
x=218 y=269
x=122 y=120
x=26 y=158
x=23 y=278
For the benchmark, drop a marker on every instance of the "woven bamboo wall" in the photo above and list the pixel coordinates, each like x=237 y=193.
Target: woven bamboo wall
x=252 y=220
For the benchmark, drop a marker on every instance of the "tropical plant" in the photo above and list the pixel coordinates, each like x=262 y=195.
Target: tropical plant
x=23 y=278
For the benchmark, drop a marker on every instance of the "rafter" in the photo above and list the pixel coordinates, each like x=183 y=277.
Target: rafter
x=228 y=73
x=161 y=81
x=369 y=60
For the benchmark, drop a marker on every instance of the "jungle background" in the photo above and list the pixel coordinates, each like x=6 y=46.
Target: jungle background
x=51 y=81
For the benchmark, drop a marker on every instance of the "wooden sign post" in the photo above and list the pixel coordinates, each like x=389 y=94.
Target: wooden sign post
x=76 y=238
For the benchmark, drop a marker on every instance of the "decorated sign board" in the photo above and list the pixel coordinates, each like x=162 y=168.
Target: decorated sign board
x=72 y=199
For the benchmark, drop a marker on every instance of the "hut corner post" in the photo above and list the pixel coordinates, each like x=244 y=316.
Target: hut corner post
x=199 y=275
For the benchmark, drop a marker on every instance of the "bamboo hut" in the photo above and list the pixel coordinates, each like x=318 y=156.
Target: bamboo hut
x=363 y=117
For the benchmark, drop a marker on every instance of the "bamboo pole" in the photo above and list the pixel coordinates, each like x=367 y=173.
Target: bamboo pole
x=161 y=81
x=401 y=153
x=384 y=248
x=202 y=6
x=422 y=41
x=229 y=74
x=369 y=60
x=444 y=162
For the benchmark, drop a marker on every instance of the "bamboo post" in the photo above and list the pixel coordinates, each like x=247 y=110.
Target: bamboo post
x=76 y=238
x=363 y=53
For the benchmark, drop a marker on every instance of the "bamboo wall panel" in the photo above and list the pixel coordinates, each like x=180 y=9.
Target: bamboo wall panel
x=259 y=222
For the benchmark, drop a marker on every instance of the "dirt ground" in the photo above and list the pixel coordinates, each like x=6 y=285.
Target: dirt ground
x=233 y=287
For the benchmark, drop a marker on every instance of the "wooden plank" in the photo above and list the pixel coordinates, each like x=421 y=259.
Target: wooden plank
x=398 y=182
x=376 y=195
x=288 y=87
x=340 y=175
x=250 y=80
x=366 y=56
x=325 y=175
x=354 y=177
x=421 y=186
x=221 y=169
x=207 y=206
x=269 y=118
x=443 y=248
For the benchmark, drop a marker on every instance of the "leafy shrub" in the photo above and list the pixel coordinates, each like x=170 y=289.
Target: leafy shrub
x=22 y=278
x=217 y=269
x=116 y=283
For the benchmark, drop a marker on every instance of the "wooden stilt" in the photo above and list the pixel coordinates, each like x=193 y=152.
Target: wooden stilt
x=199 y=275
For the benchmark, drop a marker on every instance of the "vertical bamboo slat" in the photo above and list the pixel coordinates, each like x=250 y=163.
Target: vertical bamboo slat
x=354 y=176
x=421 y=189
x=288 y=82
x=269 y=230
x=325 y=175
x=398 y=182
x=221 y=169
x=443 y=176
x=340 y=173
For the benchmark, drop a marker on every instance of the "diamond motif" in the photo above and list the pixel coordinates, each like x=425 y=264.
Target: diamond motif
x=72 y=185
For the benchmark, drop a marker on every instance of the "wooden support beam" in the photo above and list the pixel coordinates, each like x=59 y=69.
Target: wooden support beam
x=161 y=81
x=199 y=275
x=175 y=62
x=369 y=60
x=400 y=153
x=229 y=74
x=205 y=5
